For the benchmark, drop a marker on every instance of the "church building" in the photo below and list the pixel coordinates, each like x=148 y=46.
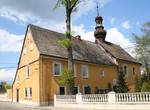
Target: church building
x=42 y=59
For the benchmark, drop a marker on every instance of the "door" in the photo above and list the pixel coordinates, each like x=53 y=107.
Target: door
x=62 y=90
x=17 y=95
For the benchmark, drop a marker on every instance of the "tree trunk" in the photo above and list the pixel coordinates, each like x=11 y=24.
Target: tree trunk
x=68 y=35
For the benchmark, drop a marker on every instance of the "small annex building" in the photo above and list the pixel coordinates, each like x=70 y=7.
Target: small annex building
x=97 y=65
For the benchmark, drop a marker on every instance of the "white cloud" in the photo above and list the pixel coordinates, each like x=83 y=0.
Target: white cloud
x=7 y=75
x=112 y=20
x=113 y=35
x=10 y=42
x=42 y=10
x=126 y=25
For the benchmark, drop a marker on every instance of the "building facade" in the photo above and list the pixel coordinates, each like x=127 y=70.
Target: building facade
x=96 y=65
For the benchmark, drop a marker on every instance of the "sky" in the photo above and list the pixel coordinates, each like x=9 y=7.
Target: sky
x=122 y=18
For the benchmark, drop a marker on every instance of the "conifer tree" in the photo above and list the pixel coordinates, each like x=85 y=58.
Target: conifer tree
x=121 y=86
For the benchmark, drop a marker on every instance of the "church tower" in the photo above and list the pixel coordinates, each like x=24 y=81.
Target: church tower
x=100 y=33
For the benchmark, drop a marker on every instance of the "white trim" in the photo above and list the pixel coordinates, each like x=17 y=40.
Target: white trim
x=102 y=74
x=54 y=69
x=86 y=67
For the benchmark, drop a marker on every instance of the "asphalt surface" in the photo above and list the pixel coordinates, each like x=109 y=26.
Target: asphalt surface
x=16 y=106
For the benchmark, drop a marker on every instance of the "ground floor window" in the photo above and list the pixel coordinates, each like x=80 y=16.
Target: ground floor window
x=26 y=92
x=62 y=90
x=75 y=90
x=87 y=90
x=103 y=91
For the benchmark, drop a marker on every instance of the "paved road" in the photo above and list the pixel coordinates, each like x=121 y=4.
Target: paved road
x=16 y=106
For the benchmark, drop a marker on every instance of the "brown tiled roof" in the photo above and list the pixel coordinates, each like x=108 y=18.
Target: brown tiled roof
x=47 y=43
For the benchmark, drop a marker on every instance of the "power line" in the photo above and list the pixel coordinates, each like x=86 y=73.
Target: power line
x=7 y=67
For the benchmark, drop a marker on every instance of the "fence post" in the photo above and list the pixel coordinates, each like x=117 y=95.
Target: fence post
x=79 y=98
x=111 y=97
x=55 y=100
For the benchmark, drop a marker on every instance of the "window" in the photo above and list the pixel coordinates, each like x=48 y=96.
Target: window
x=133 y=71
x=84 y=71
x=75 y=71
x=24 y=51
x=31 y=46
x=27 y=71
x=62 y=90
x=30 y=92
x=87 y=90
x=125 y=70
x=75 y=90
x=57 y=69
x=102 y=74
x=114 y=81
x=26 y=92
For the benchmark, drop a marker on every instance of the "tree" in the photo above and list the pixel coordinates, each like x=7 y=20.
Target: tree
x=70 y=6
x=4 y=86
x=67 y=79
x=121 y=85
x=145 y=87
x=138 y=84
x=142 y=48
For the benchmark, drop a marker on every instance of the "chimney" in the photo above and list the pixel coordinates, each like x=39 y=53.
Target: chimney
x=78 y=37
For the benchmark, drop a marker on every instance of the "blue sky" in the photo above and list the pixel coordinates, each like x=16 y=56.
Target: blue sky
x=121 y=19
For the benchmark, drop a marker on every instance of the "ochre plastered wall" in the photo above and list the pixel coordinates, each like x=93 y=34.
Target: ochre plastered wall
x=30 y=57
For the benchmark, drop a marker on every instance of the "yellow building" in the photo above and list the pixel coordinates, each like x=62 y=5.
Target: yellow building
x=97 y=65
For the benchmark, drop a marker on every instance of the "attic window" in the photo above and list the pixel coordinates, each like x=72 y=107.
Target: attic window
x=24 y=51
x=27 y=70
x=31 y=45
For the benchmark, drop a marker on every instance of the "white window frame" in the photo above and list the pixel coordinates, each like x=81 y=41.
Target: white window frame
x=102 y=73
x=29 y=91
x=82 y=67
x=54 y=68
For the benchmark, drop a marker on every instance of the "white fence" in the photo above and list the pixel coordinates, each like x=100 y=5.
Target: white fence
x=3 y=97
x=121 y=101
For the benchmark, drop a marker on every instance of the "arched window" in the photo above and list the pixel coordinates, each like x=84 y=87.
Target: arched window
x=125 y=70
